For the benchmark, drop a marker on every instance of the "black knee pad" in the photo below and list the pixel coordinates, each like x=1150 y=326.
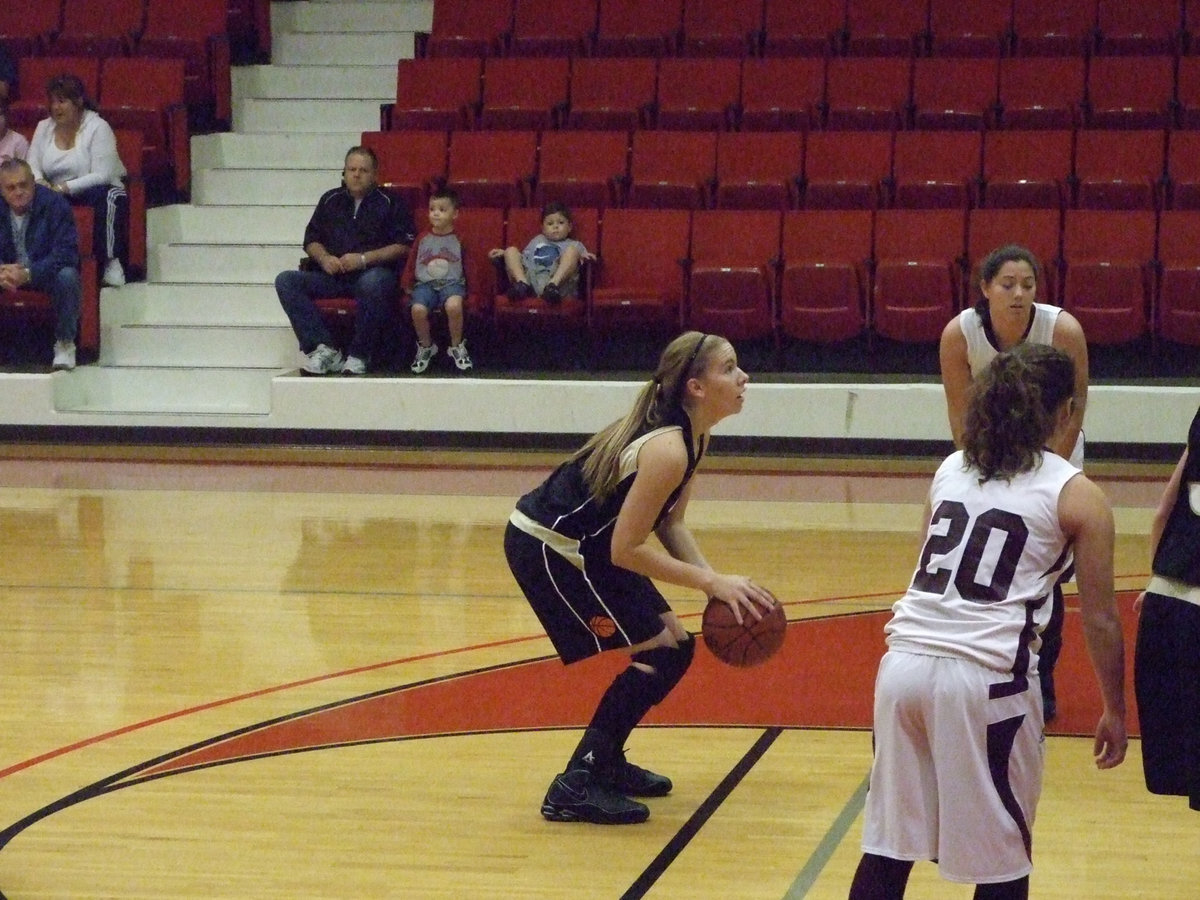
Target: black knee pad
x=670 y=664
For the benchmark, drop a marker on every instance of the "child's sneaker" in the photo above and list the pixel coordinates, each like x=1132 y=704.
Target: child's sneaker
x=552 y=293
x=461 y=357
x=423 y=358
x=354 y=366
x=519 y=290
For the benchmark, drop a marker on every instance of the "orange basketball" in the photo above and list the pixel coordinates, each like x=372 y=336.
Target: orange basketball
x=752 y=642
x=602 y=626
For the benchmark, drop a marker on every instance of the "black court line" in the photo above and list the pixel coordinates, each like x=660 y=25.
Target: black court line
x=703 y=813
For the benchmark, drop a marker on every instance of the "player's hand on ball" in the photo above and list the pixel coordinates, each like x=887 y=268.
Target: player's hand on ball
x=742 y=595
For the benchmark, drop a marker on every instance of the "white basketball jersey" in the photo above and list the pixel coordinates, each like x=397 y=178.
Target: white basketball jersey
x=981 y=351
x=992 y=554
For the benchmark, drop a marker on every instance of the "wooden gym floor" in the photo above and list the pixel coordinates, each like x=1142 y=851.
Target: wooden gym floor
x=316 y=679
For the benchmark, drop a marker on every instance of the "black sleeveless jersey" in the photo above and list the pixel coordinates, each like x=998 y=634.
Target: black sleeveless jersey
x=1178 y=553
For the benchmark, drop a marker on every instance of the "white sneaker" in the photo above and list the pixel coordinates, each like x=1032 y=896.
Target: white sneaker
x=461 y=357
x=64 y=355
x=325 y=360
x=423 y=358
x=114 y=274
x=354 y=366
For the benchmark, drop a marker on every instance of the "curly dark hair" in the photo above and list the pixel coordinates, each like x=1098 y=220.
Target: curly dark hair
x=1012 y=409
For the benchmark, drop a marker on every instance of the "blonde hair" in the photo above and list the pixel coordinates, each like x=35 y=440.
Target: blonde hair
x=683 y=359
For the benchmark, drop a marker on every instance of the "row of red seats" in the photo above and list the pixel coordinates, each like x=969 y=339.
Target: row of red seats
x=195 y=32
x=832 y=276
x=38 y=305
x=785 y=170
x=809 y=27
x=131 y=92
x=796 y=93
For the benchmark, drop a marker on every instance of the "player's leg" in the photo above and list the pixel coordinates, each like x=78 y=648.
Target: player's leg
x=880 y=878
x=1005 y=890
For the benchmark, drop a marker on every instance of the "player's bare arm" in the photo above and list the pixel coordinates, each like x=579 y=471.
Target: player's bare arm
x=956 y=377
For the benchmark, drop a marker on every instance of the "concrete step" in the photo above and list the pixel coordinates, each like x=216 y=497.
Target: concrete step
x=200 y=346
x=278 y=150
x=411 y=15
x=150 y=303
x=182 y=224
x=367 y=48
x=220 y=263
x=264 y=187
x=326 y=82
x=257 y=116
x=175 y=392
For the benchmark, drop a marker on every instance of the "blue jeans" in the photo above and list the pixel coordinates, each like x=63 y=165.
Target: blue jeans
x=375 y=296
x=66 y=295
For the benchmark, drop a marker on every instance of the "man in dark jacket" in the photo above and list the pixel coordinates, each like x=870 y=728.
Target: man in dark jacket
x=39 y=250
x=356 y=243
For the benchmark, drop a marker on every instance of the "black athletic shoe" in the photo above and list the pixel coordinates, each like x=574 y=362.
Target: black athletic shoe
x=519 y=290
x=552 y=293
x=634 y=781
x=577 y=796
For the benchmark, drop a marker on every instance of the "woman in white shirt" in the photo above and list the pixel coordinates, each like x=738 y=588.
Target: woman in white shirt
x=74 y=152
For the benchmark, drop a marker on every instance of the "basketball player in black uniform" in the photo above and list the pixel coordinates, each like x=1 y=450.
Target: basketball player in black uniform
x=1167 y=657
x=579 y=546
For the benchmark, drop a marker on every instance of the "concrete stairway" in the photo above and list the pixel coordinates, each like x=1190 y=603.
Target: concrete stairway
x=208 y=306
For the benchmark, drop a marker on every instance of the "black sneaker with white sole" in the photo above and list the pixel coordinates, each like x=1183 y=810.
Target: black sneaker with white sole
x=634 y=781
x=578 y=796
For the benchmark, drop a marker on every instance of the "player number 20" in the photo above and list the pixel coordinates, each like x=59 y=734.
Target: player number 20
x=966 y=578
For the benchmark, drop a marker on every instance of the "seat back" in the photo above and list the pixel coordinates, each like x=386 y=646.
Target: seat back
x=524 y=92
x=26 y=28
x=197 y=33
x=410 y=163
x=954 y=93
x=471 y=28
x=1130 y=91
x=1109 y=258
x=1183 y=170
x=759 y=169
x=553 y=27
x=826 y=258
x=1177 y=312
x=1062 y=28
x=722 y=27
x=883 y=27
x=868 y=93
x=437 y=93
x=918 y=272
x=1147 y=27
x=35 y=72
x=99 y=27
x=816 y=28
x=1042 y=93
x=731 y=288
x=493 y=168
x=932 y=169
x=637 y=28
x=698 y=93
x=612 y=92
x=640 y=280
x=847 y=169
x=978 y=28
x=582 y=168
x=479 y=230
x=782 y=93
x=148 y=94
x=1028 y=169
x=672 y=168
x=1119 y=169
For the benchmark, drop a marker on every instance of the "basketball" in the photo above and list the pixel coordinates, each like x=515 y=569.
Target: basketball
x=748 y=644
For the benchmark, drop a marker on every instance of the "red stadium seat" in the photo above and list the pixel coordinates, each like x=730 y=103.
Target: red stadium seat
x=976 y=28
x=674 y=169
x=698 y=93
x=410 y=163
x=129 y=148
x=1039 y=230
x=865 y=93
x=782 y=93
x=27 y=28
x=1183 y=169
x=198 y=33
x=1177 y=313
x=1108 y=282
x=759 y=169
x=469 y=28
x=570 y=313
x=1130 y=92
x=731 y=288
x=493 y=168
x=1028 y=169
x=612 y=93
x=885 y=28
x=954 y=93
x=1119 y=169
x=1062 y=28
x=637 y=28
x=815 y=28
x=936 y=169
x=438 y=93
x=639 y=282
x=1187 y=92
x=99 y=27
x=722 y=27
x=35 y=72
x=918 y=273
x=583 y=168
x=148 y=94
x=1042 y=93
x=552 y=27
x=1145 y=27
x=524 y=92
x=847 y=169
x=826 y=258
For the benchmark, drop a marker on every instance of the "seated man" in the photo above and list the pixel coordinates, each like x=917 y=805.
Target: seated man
x=356 y=241
x=39 y=250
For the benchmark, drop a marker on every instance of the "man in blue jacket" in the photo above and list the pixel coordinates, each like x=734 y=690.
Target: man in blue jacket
x=39 y=250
